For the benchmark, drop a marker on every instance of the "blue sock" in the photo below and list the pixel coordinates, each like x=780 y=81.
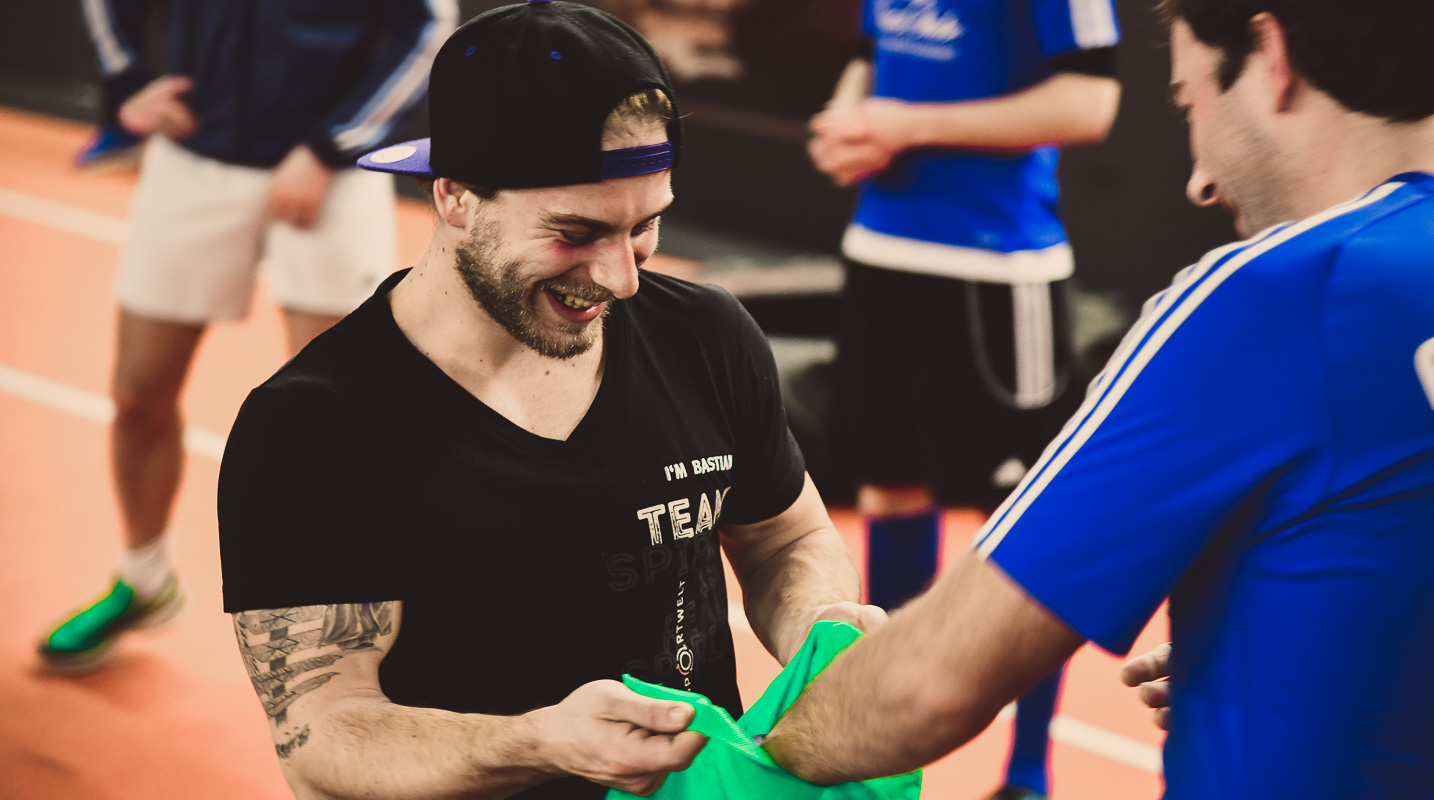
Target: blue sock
x=902 y=552
x=1031 y=740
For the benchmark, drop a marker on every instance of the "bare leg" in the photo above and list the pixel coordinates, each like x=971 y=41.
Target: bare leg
x=300 y=327
x=146 y=454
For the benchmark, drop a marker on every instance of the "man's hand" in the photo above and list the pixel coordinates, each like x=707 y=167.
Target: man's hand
x=157 y=108
x=297 y=192
x=612 y=736
x=1150 y=673
x=850 y=143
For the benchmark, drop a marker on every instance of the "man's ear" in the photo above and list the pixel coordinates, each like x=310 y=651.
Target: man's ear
x=1271 y=45
x=454 y=203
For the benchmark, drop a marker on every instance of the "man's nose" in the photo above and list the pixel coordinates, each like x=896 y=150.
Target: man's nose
x=1201 y=189
x=615 y=269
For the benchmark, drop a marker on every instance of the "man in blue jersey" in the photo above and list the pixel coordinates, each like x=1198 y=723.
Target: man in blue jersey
x=249 y=146
x=955 y=351
x=1260 y=449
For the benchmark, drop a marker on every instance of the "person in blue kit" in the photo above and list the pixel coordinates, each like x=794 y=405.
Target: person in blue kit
x=1260 y=449
x=955 y=353
x=249 y=140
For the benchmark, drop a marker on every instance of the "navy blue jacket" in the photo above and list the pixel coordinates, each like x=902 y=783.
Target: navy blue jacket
x=337 y=75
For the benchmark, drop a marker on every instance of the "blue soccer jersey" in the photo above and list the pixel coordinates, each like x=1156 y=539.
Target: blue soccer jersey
x=978 y=216
x=1261 y=450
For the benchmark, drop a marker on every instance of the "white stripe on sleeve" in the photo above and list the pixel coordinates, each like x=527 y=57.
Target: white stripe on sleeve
x=1093 y=22
x=1136 y=356
x=113 y=58
x=376 y=118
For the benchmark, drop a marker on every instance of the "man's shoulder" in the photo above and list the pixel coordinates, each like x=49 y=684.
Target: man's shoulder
x=1386 y=226
x=333 y=364
x=674 y=301
x=1392 y=240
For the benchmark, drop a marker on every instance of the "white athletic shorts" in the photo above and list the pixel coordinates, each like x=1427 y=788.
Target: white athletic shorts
x=199 y=228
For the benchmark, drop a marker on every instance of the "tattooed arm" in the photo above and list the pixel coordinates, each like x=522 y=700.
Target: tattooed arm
x=315 y=669
x=794 y=571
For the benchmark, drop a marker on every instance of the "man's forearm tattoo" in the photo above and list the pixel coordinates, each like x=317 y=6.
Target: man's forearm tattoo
x=285 y=749
x=270 y=638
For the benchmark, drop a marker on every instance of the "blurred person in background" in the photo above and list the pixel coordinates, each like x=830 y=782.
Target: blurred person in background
x=1260 y=450
x=955 y=348
x=249 y=142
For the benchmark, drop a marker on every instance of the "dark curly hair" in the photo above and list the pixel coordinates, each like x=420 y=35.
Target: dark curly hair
x=1373 y=56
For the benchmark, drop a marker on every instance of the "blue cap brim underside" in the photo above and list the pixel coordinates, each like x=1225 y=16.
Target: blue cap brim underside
x=411 y=158
x=406 y=158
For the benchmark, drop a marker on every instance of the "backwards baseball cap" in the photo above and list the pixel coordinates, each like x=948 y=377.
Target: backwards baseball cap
x=518 y=97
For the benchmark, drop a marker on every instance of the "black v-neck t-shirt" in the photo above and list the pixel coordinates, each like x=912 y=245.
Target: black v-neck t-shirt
x=526 y=566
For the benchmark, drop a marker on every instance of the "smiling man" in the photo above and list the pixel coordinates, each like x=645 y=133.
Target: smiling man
x=1260 y=450
x=448 y=523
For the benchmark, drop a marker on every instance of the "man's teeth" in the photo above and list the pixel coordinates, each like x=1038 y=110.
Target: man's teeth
x=574 y=302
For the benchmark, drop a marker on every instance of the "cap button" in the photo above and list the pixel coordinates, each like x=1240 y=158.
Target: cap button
x=535 y=2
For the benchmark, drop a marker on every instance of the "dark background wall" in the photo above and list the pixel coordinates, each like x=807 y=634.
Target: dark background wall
x=745 y=171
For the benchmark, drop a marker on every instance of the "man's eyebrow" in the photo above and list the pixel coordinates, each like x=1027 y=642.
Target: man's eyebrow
x=595 y=225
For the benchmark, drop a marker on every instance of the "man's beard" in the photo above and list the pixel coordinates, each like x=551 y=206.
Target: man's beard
x=1249 y=171
x=500 y=290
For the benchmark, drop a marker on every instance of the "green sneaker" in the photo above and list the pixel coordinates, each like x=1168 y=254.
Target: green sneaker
x=84 y=641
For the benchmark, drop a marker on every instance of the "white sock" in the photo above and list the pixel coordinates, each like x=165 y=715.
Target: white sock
x=146 y=568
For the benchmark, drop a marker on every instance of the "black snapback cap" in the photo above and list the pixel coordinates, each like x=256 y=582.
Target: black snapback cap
x=518 y=96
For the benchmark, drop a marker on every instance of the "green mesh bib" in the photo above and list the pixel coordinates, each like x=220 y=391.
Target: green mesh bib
x=732 y=765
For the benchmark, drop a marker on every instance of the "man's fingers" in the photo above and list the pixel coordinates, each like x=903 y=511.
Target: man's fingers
x=305 y=212
x=175 y=120
x=683 y=748
x=642 y=787
x=279 y=206
x=651 y=757
x=662 y=716
x=1162 y=719
x=839 y=126
x=173 y=85
x=1151 y=666
x=295 y=209
x=1155 y=694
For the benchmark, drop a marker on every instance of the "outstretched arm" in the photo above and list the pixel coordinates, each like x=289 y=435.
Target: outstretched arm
x=315 y=669
x=926 y=682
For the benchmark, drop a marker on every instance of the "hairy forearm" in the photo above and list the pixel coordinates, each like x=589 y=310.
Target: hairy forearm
x=880 y=709
x=784 y=590
x=372 y=748
x=1068 y=109
x=926 y=682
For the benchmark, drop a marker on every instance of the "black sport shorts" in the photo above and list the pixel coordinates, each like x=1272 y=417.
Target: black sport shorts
x=929 y=386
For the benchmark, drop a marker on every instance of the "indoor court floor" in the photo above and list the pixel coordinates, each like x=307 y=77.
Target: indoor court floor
x=173 y=715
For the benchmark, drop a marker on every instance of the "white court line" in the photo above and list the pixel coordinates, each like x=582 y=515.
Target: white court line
x=76 y=402
x=92 y=407
x=61 y=216
x=1111 y=745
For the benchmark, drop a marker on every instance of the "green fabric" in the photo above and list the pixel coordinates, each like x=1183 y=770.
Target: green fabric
x=733 y=765
x=92 y=626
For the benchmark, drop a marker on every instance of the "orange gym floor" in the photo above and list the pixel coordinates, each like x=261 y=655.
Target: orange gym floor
x=173 y=715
